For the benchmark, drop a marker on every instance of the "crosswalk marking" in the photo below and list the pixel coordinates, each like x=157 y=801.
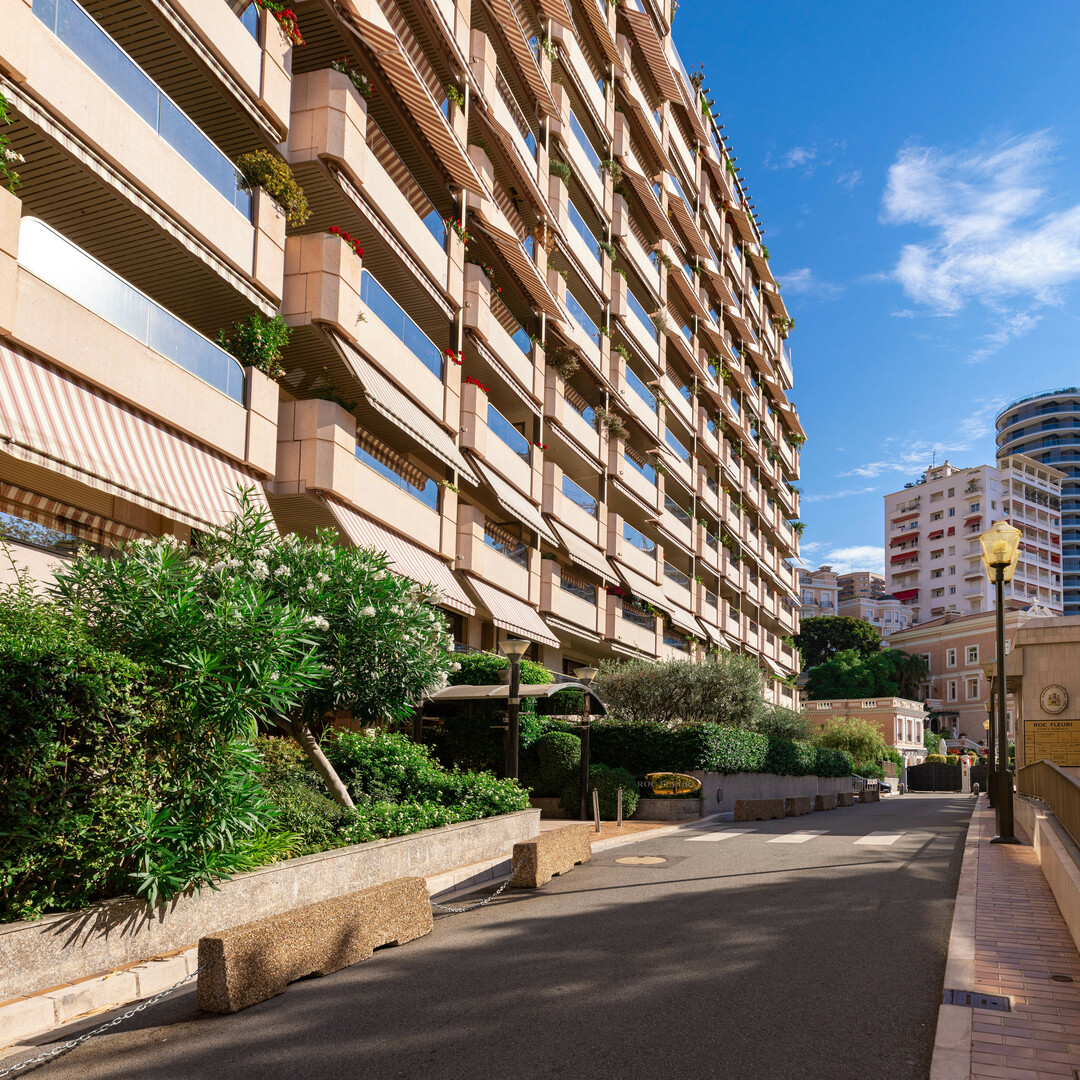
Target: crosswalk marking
x=879 y=839
x=799 y=837
x=711 y=837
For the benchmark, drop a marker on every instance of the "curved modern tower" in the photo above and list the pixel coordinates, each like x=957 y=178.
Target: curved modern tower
x=1046 y=427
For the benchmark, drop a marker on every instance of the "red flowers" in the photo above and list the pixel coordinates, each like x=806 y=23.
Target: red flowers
x=454 y=357
x=358 y=251
x=289 y=26
x=540 y=446
x=476 y=382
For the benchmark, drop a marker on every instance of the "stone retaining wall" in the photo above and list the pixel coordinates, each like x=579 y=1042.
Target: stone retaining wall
x=720 y=791
x=1059 y=857
x=64 y=947
x=668 y=809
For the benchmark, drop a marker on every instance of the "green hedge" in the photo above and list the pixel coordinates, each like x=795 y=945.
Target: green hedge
x=607 y=781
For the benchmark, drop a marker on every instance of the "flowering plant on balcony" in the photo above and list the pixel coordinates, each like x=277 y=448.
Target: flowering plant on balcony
x=258 y=342
x=8 y=157
x=563 y=361
x=286 y=19
x=262 y=169
x=459 y=230
x=452 y=356
x=358 y=251
x=476 y=382
x=357 y=78
x=489 y=272
x=541 y=446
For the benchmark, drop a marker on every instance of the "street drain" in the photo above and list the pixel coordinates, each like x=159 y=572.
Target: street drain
x=977 y=1001
x=641 y=860
x=1062 y=978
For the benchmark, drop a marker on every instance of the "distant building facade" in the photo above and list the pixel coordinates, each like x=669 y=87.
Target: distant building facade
x=900 y=720
x=884 y=613
x=861 y=585
x=818 y=591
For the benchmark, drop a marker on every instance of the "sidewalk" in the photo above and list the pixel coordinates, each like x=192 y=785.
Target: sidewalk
x=1009 y=942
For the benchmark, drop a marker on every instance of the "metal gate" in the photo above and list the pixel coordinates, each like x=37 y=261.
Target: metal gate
x=933 y=776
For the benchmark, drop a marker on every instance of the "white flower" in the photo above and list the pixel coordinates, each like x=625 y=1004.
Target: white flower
x=455 y=667
x=380 y=575
x=218 y=567
x=322 y=577
x=12 y=155
x=368 y=612
x=282 y=571
x=260 y=570
x=320 y=623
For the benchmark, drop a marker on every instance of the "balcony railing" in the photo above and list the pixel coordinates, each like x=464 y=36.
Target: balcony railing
x=579 y=496
x=639 y=388
x=524 y=130
x=583 y=141
x=642 y=315
x=48 y=255
x=673 y=573
x=428 y=494
x=505 y=318
x=681 y=452
x=507 y=545
x=583 y=230
x=503 y=430
x=83 y=35
x=676 y=511
x=581 y=317
x=393 y=316
x=642 y=467
x=638 y=539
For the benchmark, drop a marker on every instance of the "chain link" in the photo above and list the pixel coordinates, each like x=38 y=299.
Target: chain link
x=63 y=1048
x=471 y=907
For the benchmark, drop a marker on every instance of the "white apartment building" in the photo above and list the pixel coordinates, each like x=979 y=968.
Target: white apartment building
x=932 y=555
x=884 y=613
x=818 y=591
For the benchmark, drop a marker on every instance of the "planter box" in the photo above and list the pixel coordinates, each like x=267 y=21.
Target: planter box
x=668 y=809
x=549 y=806
x=73 y=945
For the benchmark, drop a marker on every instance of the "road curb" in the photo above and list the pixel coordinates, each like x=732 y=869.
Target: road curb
x=952 y=1039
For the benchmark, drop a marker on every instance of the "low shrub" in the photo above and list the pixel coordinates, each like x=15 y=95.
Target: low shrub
x=262 y=169
x=833 y=762
x=607 y=781
x=558 y=755
x=870 y=769
x=788 y=758
x=939 y=759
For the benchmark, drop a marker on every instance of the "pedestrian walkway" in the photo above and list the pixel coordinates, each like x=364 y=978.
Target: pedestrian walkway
x=1021 y=944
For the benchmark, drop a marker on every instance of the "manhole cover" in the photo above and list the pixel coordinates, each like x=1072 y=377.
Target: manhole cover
x=977 y=1001
x=641 y=860
x=1062 y=978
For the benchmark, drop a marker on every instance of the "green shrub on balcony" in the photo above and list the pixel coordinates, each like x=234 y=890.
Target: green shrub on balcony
x=258 y=342
x=263 y=169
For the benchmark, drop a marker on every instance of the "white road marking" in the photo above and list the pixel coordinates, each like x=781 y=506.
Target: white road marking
x=799 y=837
x=879 y=839
x=719 y=835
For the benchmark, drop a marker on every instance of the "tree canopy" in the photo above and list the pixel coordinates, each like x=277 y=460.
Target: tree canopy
x=850 y=675
x=821 y=637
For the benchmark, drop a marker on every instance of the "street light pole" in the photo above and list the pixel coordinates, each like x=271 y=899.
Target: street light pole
x=989 y=726
x=1001 y=548
x=586 y=675
x=515 y=649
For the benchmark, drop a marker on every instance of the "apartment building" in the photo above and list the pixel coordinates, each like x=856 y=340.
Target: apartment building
x=537 y=351
x=956 y=647
x=884 y=613
x=818 y=591
x=860 y=585
x=900 y=721
x=932 y=529
x=1045 y=428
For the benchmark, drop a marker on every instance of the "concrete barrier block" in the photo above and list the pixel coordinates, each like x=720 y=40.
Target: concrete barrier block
x=759 y=809
x=157 y=975
x=93 y=994
x=552 y=853
x=796 y=807
x=250 y=963
x=825 y=802
x=870 y=796
x=19 y=1020
x=845 y=798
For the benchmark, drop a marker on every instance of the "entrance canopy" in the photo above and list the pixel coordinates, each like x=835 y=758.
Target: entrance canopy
x=446 y=699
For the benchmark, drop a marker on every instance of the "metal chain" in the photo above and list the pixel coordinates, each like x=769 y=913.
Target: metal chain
x=63 y=1048
x=471 y=907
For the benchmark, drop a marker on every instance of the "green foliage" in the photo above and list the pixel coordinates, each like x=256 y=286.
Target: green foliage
x=787 y=758
x=8 y=157
x=833 y=762
x=263 y=169
x=607 y=781
x=821 y=637
x=258 y=342
x=726 y=691
x=558 y=755
x=482 y=669
x=559 y=169
x=784 y=723
x=940 y=759
x=870 y=769
x=850 y=675
x=932 y=741
x=860 y=738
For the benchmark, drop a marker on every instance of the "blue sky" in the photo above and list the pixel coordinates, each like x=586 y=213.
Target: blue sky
x=917 y=170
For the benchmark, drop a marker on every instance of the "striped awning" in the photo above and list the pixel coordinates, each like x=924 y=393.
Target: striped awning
x=716 y=276
x=646 y=38
x=586 y=555
x=511 y=614
x=743 y=223
x=53 y=419
x=389 y=401
x=409 y=559
x=508 y=19
x=514 y=503
x=597 y=16
x=775 y=301
x=641 y=587
x=644 y=191
x=905 y=594
x=62 y=517
x=685 y=621
x=761 y=265
x=686 y=221
x=407 y=80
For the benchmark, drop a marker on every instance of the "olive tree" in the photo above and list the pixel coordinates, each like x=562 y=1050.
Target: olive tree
x=252 y=627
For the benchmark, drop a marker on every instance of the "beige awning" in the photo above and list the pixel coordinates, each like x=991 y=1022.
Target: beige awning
x=645 y=37
x=761 y=265
x=686 y=222
x=641 y=587
x=525 y=57
x=511 y=614
x=596 y=13
x=774 y=300
x=514 y=502
x=743 y=223
x=644 y=190
x=586 y=555
x=392 y=55
x=50 y=418
x=387 y=399
x=716 y=276
x=409 y=559
x=685 y=621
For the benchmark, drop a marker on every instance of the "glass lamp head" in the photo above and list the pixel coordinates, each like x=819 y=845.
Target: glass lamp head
x=1000 y=548
x=515 y=648
x=586 y=674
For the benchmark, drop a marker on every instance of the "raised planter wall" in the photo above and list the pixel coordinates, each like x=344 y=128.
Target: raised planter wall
x=720 y=790
x=64 y=947
x=668 y=809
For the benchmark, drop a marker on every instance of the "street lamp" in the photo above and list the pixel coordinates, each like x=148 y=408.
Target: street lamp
x=990 y=728
x=1000 y=551
x=515 y=648
x=585 y=675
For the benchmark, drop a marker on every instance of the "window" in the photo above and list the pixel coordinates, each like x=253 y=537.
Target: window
x=952 y=492
x=952 y=590
x=972 y=689
x=952 y=511
x=952 y=571
x=974 y=508
x=972 y=654
x=950 y=658
x=937 y=573
x=936 y=516
x=869 y=614
x=950 y=690
x=935 y=593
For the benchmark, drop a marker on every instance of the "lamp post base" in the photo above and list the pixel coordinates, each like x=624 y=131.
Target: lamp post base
x=1001 y=784
x=1005 y=840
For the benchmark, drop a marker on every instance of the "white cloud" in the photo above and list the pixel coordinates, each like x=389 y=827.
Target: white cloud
x=803 y=282
x=837 y=495
x=845 y=560
x=850 y=180
x=798 y=157
x=992 y=238
x=906 y=456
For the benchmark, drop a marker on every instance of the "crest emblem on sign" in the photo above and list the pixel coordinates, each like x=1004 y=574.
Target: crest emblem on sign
x=1053 y=699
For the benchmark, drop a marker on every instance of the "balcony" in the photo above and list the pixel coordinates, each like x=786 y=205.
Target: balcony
x=677 y=523
x=488 y=551
x=488 y=433
x=679 y=400
x=583 y=330
x=573 y=413
x=631 y=627
x=583 y=154
x=584 y=245
x=568 y=596
x=632 y=547
x=680 y=466
x=489 y=317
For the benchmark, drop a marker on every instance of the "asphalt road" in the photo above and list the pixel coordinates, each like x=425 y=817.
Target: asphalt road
x=748 y=957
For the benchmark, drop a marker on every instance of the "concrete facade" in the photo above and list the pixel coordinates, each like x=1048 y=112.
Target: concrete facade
x=884 y=613
x=900 y=720
x=818 y=591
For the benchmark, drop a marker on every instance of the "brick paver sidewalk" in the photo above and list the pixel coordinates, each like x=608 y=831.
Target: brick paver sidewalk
x=1020 y=941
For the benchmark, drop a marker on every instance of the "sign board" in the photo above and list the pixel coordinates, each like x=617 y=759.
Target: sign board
x=672 y=783
x=1053 y=740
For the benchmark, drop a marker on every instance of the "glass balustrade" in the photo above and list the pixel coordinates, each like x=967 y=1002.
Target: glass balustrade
x=680 y=450
x=583 y=230
x=638 y=617
x=645 y=469
x=638 y=539
x=579 y=496
x=673 y=573
x=249 y=19
x=428 y=494
x=433 y=222
x=392 y=315
x=675 y=640
x=581 y=589
x=581 y=317
x=84 y=36
x=54 y=259
x=639 y=388
x=503 y=430
x=642 y=315
x=515 y=551
x=583 y=141
x=673 y=508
